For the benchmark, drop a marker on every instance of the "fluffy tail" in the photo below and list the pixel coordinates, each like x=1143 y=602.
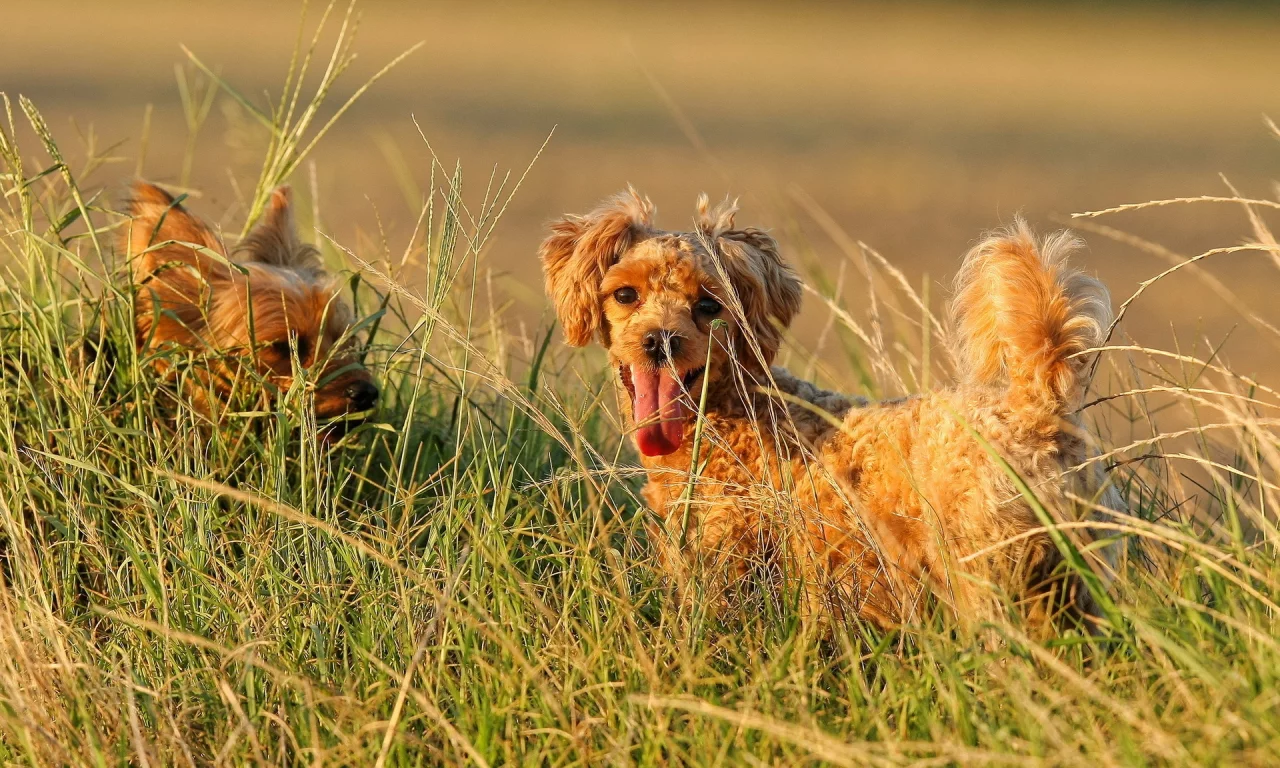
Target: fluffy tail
x=1021 y=316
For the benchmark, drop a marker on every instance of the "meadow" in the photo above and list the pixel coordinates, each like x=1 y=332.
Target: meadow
x=467 y=579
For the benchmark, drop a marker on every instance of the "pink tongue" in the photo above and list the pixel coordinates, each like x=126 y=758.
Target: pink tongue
x=659 y=412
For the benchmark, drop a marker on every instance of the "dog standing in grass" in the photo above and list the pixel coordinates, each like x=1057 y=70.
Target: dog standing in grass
x=252 y=315
x=871 y=507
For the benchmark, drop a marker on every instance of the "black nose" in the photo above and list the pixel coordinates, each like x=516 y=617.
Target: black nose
x=661 y=343
x=362 y=394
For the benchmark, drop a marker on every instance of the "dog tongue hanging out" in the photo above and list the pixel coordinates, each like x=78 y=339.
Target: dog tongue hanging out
x=658 y=301
x=658 y=408
x=871 y=505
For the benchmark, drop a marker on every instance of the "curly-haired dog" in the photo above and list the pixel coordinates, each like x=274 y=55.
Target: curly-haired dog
x=871 y=504
x=250 y=314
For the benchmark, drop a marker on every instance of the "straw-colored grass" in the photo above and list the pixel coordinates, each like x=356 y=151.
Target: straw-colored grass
x=466 y=580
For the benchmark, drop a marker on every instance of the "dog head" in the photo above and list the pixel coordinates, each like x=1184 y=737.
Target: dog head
x=264 y=309
x=675 y=310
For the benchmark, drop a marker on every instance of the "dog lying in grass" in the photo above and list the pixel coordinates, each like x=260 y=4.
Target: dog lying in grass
x=871 y=507
x=252 y=316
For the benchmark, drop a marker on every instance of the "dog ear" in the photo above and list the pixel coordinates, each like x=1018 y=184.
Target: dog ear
x=158 y=218
x=173 y=278
x=765 y=284
x=580 y=250
x=173 y=307
x=274 y=240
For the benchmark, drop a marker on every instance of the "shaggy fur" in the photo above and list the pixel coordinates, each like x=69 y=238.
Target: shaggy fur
x=250 y=315
x=871 y=507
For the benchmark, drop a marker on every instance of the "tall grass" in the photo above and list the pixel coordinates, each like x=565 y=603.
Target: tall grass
x=467 y=580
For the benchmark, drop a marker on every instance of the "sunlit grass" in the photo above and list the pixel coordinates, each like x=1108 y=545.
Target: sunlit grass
x=467 y=579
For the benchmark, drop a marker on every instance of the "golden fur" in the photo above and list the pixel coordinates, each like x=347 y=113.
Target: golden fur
x=869 y=506
x=248 y=314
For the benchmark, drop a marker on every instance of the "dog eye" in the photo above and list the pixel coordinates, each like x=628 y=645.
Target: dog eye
x=625 y=295
x=708 y=307
x=285 y=348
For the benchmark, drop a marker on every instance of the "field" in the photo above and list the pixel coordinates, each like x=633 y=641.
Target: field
x=467 y=578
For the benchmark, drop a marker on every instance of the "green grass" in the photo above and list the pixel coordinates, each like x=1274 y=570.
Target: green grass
x=468 y=578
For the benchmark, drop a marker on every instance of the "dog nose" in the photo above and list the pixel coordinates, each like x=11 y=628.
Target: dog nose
x=659 y=343
x=362 y=394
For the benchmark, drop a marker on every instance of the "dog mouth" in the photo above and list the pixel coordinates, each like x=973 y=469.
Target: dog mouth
x=334 y=424
x=660 y=405
x=333 y=429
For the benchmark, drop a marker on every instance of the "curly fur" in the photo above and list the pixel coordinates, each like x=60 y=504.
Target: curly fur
x=259 y=308
x=1023 y=317
x=581 y=249
x=871 y=507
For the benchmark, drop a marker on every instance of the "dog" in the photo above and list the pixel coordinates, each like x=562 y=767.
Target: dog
x=872 y=507
x=252 y=315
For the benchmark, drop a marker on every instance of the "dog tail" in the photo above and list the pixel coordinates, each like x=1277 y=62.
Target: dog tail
x=1021 y=318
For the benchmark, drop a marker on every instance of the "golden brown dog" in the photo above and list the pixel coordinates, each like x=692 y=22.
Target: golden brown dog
x=871 y=505
x=250 y=315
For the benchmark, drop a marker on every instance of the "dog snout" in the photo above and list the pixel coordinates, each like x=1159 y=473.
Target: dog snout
x=662 y=345
x=363 y=395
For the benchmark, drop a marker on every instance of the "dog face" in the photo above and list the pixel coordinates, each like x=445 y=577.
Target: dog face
x=672 y=308
x=265 y=310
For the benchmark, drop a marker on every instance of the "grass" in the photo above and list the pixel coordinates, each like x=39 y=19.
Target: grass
x=467 y=580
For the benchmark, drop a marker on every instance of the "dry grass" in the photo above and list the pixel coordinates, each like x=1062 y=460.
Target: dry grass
x=466 y=580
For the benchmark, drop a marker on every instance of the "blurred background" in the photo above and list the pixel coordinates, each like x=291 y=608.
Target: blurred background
x=911 y=127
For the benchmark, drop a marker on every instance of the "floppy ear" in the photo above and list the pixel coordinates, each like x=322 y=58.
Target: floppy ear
x=765 y=284
x=580 y=250
x=274 y=240
x=159 y=218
